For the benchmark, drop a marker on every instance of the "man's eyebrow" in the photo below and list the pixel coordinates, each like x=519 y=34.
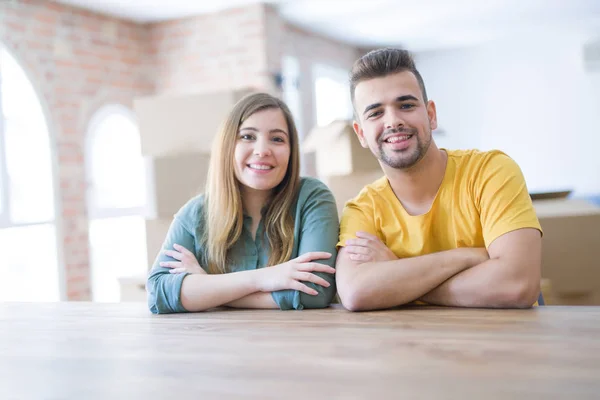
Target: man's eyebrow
x=399 y=99
x=370 y=107
x=406 y=97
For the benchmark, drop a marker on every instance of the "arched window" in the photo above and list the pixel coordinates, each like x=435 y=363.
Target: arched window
x=116 y=199
x=28 y=247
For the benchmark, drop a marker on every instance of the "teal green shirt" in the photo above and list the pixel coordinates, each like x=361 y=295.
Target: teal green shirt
x=316 y=228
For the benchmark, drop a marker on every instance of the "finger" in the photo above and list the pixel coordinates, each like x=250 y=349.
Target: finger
x=316 y=267
x=359 y=242
x=183 y=250
x=367 y=235
x=308 y=277
x=173 y=254
x=303 y=288
x=170 y=264
x=313 y=255
x=360 y=257
x=358 y=250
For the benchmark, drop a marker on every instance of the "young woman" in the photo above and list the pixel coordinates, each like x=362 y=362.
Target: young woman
x=260 y=236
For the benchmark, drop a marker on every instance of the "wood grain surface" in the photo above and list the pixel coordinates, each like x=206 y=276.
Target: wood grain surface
x=121 y=351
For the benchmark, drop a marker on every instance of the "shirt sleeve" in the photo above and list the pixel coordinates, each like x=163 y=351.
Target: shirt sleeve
x=503 y=199
x=164 y=288
x=319 y=232
x=358 y=215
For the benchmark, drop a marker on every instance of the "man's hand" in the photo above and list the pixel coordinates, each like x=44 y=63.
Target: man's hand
x=368 y=248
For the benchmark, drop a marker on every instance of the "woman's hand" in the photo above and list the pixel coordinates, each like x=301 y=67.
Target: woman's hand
x=187 y=261
x=291 y=274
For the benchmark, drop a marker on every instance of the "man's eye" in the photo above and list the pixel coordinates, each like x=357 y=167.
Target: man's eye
x=407 y=106
x=374 y=114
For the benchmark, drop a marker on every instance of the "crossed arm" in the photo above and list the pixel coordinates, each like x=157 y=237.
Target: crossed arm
x=177 y=283
x=370 y=277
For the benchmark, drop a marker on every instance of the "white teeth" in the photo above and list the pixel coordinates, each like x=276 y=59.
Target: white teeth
x=397 y=139
x=257 y=166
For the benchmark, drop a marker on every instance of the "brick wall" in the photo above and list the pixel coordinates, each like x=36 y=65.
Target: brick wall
x=79 y=61
x=212 y=52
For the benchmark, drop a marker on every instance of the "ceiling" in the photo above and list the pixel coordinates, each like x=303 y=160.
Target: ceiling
x=415 y=25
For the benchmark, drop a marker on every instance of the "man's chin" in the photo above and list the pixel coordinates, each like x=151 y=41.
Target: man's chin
x=400 y=162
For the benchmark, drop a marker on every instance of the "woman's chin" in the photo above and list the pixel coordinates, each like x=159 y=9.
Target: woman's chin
x=260 y=186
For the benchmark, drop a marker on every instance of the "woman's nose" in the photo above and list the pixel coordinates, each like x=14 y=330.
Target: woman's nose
x=262 y=148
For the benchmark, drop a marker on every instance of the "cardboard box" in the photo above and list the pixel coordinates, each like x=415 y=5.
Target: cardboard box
x=172 y=180
x=347 y=187
x=156 y=232
x=172 y=124
x=571 y=250
x=338 y=150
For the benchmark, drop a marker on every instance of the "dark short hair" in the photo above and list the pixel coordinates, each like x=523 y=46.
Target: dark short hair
x=383 y=62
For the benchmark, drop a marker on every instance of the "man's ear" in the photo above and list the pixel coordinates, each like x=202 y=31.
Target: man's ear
x=432 y=114
x=359 y=132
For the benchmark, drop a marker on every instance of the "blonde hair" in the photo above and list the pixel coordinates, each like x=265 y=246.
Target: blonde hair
x=223 y=210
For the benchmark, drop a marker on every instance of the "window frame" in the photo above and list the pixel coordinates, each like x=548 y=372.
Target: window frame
x=92 y=132
x=56 y=222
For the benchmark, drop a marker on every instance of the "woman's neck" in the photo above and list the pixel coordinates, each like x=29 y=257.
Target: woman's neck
x=254 y=201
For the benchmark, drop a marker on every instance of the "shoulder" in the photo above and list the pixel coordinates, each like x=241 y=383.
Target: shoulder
x=191 y=213
x=482 y=162
x=371 y=193
x=315 y=199
x=311 y=188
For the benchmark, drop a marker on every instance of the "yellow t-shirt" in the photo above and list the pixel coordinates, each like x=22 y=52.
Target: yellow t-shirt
x=482 y=196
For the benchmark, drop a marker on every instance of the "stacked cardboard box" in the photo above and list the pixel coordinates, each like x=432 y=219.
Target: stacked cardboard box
x=341 y=162
x=571 y=250
x=176 y=134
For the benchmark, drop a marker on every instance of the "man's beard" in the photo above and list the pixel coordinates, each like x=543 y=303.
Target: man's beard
x=402 y=159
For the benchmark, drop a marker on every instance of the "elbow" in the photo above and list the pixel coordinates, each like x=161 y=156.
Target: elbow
x=153 y=303
x=352 y=303
x=521 y=294
x=353 y=295
x=156 y=297
x=322 y=300
x=353 y=298
x=319 y=301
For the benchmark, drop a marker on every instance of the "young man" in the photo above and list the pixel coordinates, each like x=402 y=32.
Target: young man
x=454 y=228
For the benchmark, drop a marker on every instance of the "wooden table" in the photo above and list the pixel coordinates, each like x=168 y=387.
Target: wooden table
x=121 y=351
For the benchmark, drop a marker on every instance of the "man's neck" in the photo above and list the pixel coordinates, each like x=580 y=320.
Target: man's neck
x=416 y=187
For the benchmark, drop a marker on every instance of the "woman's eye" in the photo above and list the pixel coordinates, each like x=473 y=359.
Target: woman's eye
x=246 y=137
x=279 y=139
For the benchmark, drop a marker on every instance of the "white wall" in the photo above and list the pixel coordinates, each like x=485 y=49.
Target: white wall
x=529 y=96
